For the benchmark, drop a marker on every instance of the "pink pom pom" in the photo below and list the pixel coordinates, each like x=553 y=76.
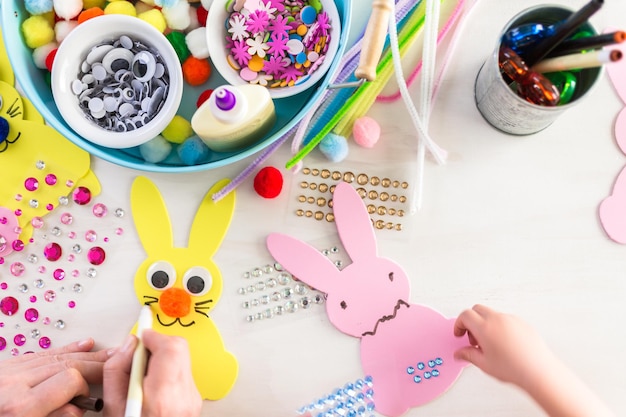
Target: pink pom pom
x=366 y=131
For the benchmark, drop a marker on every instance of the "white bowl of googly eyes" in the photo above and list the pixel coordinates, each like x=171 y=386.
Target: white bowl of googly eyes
x=287 y=49
x=116 y=81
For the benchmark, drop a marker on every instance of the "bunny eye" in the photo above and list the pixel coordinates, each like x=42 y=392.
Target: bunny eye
x=197 y=281
x=161 y=275
x=343 y=305
x=391 y=276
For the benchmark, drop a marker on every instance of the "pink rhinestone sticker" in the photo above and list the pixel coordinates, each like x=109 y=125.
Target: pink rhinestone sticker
x=45 y=342
x=9 y=306
x=3 y=343
x=58 y=274
x=31 y=315
x=81 y=196
x=51 y=179
x=19 y=339
x=37 y=222
x=96 y=255
x=53 y=252
x=99 y=210
x=31 y=184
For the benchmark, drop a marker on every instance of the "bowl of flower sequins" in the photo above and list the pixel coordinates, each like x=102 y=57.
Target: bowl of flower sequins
x=284 y=46
x=116 y=81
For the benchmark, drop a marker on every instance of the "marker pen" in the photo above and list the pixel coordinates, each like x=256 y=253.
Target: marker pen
x=138 y=369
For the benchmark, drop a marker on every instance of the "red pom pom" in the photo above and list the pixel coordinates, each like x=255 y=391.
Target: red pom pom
x=50 y=59
x=204 y=96
x=202 y=14
x=268 y=182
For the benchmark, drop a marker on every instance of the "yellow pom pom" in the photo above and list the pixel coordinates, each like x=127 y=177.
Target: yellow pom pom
x=178 y=130
x=155 y=18
x=37 y=31
x=120 y=7
x=88 y=4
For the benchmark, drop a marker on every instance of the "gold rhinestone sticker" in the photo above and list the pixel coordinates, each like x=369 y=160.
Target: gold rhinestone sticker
x=336 y=175
x=325 y=174
x=375 y=181
x=323 y=187
x=362 y=179
x=348 y=177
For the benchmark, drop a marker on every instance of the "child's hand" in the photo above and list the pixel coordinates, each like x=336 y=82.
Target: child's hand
x=503 y=346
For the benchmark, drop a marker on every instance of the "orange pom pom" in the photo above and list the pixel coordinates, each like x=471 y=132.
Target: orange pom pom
x=196 y=71
x=175 y=302
x=89 y=13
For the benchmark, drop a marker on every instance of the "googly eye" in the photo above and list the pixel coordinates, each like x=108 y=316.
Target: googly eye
x=117 y=59
x=197 y=281
x=161 y=275
x=144 y=66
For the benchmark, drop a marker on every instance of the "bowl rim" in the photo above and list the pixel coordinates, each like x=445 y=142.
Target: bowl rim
x=11 y=13
x=215 y=24
x=66 y=66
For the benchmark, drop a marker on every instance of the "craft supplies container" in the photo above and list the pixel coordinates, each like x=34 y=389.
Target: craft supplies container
x=117 y=81
x=32 y=80
x=501 y=106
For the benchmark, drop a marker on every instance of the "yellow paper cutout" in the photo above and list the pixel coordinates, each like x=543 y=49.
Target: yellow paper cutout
x=214 y=368
x=28 y=141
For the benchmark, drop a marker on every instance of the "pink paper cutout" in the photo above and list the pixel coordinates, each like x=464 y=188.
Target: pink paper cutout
x=612 y=210
x=369 y=299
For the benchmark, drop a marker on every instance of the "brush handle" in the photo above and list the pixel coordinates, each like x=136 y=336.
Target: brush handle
x=374 y=39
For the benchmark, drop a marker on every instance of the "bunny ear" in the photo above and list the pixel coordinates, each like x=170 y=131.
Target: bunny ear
x=303 y=261
x=150 y=216
x=212 y=220
x=6 y=71
x=617 y=70
x=353 y=223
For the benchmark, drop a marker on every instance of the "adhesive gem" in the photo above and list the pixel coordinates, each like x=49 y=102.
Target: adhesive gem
x=71 y=257
x=71 y=304
x=58 y=274
x=417 y=379
x=91 y=273
x=72 y=235
x=75 y=273
x=67 y=218
x=53 y=252
x=33 y=299
x=99 y=210
x=50 y=296
x=19 y=339
x=3 y=286
x=15 y=352
x=35 y=333
x=9 y=306
x=31 y=315
x=91 y=236
x=96 y=255
x=77 y=288
x=59 y=324
x=17 y=245
x=3 y=343
x=42 y=269
x=119 y=231
x=17 y=269
x=32 y=258
x=44 y=342
x=51 y=179
x=69 y=183
x=56 y=231
x=49 y=207
x=119 y=212
x=23 y=288
x=63 y=200
x=40 y=164
x=39 y=283
x=46 y=320
x=81 y=196
x=31 y=184
x=37 y=222
x=33 y=203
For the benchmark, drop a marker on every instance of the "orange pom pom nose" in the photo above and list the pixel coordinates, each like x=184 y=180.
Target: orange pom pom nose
x=175 y=302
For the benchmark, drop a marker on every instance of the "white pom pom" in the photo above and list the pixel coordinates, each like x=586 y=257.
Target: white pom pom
x=62 y=28
x=68 y=9
x=40 y=54
x=197 y=43
x=193 y=19
x=177 y=16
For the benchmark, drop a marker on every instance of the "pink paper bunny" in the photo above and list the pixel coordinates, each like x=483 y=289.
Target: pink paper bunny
x=613 y=207
x=407 y=348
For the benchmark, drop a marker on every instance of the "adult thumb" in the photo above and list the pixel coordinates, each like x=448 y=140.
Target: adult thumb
x=469 y=354
x=115 y=378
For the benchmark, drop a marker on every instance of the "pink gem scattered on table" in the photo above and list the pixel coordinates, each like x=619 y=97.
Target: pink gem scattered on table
x=277 y=43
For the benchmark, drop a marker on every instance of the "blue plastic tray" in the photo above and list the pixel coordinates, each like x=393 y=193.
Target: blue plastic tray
x=33 y=83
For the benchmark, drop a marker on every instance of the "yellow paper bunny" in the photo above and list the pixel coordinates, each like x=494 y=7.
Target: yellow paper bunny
x=40 y=167
x=182 y=284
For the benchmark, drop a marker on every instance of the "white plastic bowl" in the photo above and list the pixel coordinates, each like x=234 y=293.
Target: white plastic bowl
x=216 y=39
x=67 y=64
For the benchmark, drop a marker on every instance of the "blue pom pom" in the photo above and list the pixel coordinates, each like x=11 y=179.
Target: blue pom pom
x=155 y=150
x=193 y=151
x=38 y=6
x=166 y=3
x=334 y=147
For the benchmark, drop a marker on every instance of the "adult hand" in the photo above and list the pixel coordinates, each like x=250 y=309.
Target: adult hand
x=168 y=387
x=43 y=383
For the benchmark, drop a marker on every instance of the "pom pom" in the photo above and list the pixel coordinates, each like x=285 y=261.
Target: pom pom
x=204 y=96
x=268 y=182
x=193 y=19
x=120 y=7
x=89 y=13
x=197 y=43
x=193 y=151
x=334 y=147
x=177 y=40
x=67 y=9
x=178 y=130
x=37 y=31
x=62 y=28
x=155 y=150
x=88 y=4
x=50 y=59
x=155 y=18
x=177 y=16
x=40 y=54
x=202 y=14
x=166 y=3
x=38 y=6
x=196 y=71
x=366 y=131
